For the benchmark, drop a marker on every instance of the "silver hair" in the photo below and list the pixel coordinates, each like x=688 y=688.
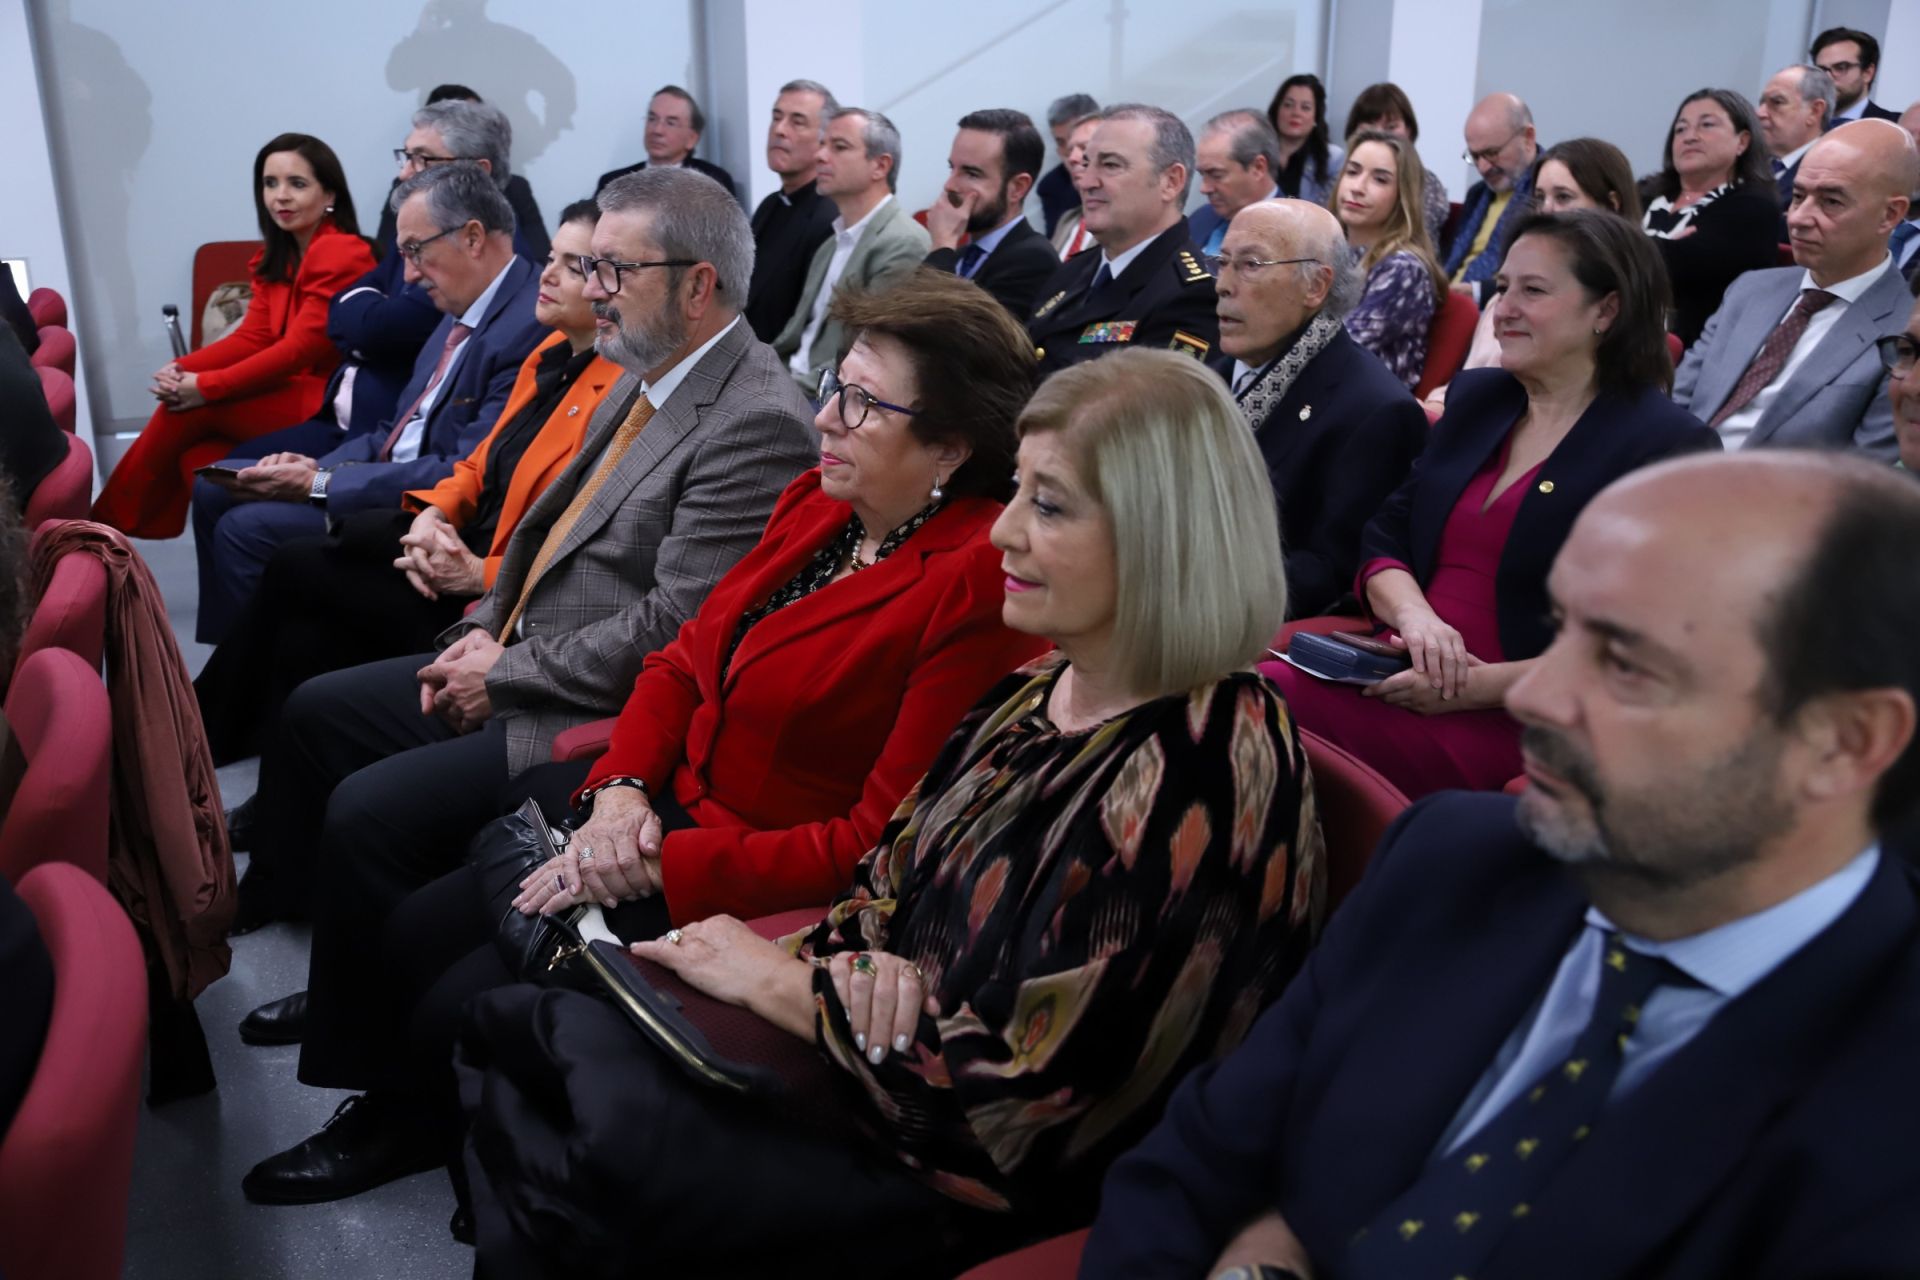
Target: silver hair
x=691 y=216
x=457 y=194
x=1817 y=86
x=1252 y=137
x=472 y=131
x=1328 y=247
x=828 y=103
x=879 y=135
x=1073 y=106
x=1172 y=140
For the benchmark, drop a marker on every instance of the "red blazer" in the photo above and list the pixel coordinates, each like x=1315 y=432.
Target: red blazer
x=284 y=333
x=833 y=709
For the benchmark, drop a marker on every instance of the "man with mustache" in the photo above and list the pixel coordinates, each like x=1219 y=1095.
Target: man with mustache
x=1502 y=147
x=1652 y=1018
x=382 y=773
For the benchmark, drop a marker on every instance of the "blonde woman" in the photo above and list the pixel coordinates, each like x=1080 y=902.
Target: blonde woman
x=1378 y=201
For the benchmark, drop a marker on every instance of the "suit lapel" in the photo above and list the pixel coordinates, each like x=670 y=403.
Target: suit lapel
x=1742 y=343
x=1855 y=331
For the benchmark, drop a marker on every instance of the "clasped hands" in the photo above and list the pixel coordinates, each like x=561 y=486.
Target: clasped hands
x=615 y=857
x=176 y=388
x=454 y=685
x=436 y=561
x=1440 y=678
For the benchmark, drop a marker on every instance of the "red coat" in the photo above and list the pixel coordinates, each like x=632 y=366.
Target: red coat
x=833 y=709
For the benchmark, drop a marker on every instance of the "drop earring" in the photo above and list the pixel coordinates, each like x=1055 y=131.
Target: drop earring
x=938 y=492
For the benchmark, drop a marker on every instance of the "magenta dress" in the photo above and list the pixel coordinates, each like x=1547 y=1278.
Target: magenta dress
x=1477 y=750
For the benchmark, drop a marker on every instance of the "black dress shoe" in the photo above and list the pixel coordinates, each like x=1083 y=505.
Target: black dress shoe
x=261 y=903
x=239 y=821
x=368 y=1142
x=282 y=1021
x=460 y=1225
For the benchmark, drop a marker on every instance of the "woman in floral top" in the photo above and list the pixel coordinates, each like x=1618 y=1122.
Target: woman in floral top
x=1109 y=870
x=1378 y=202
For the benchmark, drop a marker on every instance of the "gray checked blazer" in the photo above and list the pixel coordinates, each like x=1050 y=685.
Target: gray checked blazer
x=1837 y=397
x=691 y=496
x=892 y=242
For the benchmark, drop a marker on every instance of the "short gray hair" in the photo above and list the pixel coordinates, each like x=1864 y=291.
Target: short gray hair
x=1252 y=137
x=690 y=216
x=472 y=131
x=457 y=194
x=1072 y=107
x=828 y=103
x=880 y=137
x=1172 y=140
x=1817 y=86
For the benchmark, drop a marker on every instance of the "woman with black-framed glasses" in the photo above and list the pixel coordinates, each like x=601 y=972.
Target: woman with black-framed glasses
x=1900 y=353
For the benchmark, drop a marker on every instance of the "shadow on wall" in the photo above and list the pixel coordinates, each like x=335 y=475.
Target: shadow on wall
x=457 y=42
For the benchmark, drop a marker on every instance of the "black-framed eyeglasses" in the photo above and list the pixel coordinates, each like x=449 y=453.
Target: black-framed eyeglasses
x=412 y=249
x=1898 y=352
x=403 y=157
x=608 y=272
x=1250 y=268
x=1491 y=154
x=1841 y=68
x=856 y=401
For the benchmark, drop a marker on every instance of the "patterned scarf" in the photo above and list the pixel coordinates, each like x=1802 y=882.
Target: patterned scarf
x=1271 y=385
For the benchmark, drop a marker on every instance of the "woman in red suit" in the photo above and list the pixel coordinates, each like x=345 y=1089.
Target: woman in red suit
x=763 y=750
x=272 y=370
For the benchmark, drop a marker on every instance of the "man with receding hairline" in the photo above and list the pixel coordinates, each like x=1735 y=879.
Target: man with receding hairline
x=1502 y=146
x=1659 y=1015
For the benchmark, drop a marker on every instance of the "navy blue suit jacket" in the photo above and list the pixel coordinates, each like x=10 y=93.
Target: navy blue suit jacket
x=462 y=413
x=382 y=333
x=1776 y=1145
x=1616 y=434
x=1336 y=446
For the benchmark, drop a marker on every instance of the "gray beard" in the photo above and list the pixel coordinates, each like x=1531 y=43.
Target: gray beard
x=645 y=348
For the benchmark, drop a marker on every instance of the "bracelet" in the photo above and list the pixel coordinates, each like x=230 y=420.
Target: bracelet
x=638 y=784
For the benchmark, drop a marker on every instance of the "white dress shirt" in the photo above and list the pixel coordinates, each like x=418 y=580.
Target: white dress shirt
x=1125 y=260
x=407 y=447
x=844 y=238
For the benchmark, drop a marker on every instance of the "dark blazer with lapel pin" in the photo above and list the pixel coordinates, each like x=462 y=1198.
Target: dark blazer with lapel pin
x=689 y=498
x=1616 y=434
x=1014 y=273
x=1164 y=293
x=1336 y=445
x=1772 y=1146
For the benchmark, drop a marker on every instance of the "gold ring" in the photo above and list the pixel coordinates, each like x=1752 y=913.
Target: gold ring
x=913 y=971
x=673 y=936
x=863 y=963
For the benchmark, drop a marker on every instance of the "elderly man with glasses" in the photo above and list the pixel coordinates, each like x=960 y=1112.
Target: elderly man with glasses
x=456 y=244
x=1502 y=147
x=1337 y=429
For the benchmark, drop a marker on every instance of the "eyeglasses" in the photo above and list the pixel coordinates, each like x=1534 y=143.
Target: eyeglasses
x=1491 y=154
x=402 y=157
x=851 y=395
x=1250 y=268
x=607 y=271
x=1898 y=353
x=412 y=249
x=1841 y=68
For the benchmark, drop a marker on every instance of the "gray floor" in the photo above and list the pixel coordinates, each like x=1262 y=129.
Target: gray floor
x=188 y=1219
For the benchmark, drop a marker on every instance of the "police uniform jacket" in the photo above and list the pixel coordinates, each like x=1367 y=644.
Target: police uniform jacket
x=1164 y=299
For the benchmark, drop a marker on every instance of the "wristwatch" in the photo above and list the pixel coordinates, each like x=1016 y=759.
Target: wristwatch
x=317 y=495
x=586 y=801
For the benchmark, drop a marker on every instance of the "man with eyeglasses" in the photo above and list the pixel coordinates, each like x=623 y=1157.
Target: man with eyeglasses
x=456 y=245
x=1338 y=430
x=1148 y=286
x=383 y=773
x=1502 y=147
x=446 y=137
x=1788 y=360
x=1852 y=58
x=1899 y=354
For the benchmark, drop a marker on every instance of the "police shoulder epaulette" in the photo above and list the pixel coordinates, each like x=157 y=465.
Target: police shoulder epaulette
x=1191 y=270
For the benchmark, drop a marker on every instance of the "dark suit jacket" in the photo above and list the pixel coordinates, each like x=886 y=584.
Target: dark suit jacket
x=530 y=238
x=26 y=997
x=463 y=412
x=1616 y=434
x=695 y=163
x=1014 y=273
x=1769 y=1147
x=31 y=442
x=1336 y=446
x=1165 y=292
x=1057 y=195
x=1872 y=111
x=379 y=322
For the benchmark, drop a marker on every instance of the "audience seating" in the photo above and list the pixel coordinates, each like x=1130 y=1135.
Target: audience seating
x=66 y=1164
x=67 y=491
x=1448 y=340
x=71 y=613
x=214 y=264
x=1325 y=624
x=1786 y=256
x=1675 y=349
x=583 y=741
x=56 y=349
x=47 y=307
x=1356 y=804
x=58 y=389
x=62 y=723
x=1052 y=1259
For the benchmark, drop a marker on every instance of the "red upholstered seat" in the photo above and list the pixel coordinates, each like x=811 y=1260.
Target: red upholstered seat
x=1786 y=256
x=1675 y=349
x=47 y=307
x=56 y=349
x=61 y=720
x=1448 y=340
x=782 y=923
x=1356 y=806
x=58 y=389
x=1055 y=1259
x=583 y=741
x=67 y=1161
x=71 y=613
x=67 y=491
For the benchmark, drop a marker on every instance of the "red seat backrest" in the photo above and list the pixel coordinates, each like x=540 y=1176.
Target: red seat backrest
x=66 y=493
x=56 y=349
x=58 y=389
x=47 y=307
x=1052 y=1259
x=216 y=263
x=58 y=711
x=71 y=613
x=1448 y=340
x=66 y=1164
x=1675 y=349
x=1356 y=806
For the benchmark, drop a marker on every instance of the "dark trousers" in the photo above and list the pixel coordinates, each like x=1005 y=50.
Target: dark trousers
x=324 y=604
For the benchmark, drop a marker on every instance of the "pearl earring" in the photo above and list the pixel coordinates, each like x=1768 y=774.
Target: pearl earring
x=938 y=492
x=329 y=208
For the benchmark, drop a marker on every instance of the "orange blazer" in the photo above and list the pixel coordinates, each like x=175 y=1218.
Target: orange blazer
x=832 y=709
x=546 y=457
x=284 y=333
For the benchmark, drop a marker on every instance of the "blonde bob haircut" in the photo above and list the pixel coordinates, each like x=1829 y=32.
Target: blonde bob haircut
x=1200 y=588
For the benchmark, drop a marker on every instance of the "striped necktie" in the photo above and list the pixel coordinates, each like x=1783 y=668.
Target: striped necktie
x=455 y=336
